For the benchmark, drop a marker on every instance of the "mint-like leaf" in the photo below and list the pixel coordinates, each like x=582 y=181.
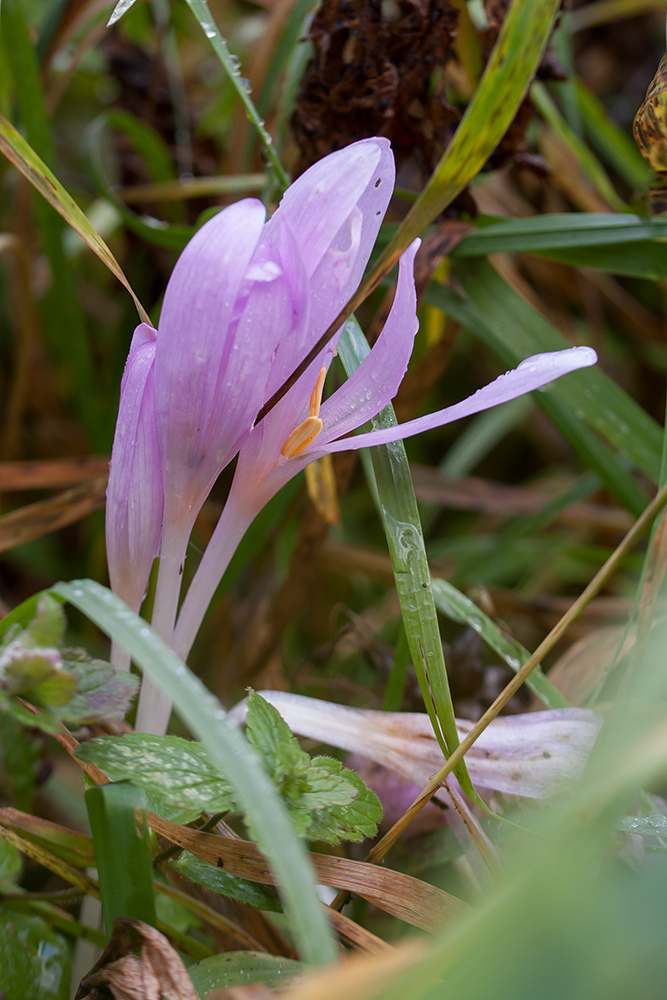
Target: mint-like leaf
x=172 y=770
x=325 y=801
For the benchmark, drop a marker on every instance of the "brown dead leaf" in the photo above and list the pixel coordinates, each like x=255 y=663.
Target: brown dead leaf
x=45 y=474
x=403 y=896
x=45 y=516
x=137 y=964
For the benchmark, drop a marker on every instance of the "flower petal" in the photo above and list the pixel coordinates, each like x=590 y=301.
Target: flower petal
x=533 y=755
x=134 y=494
x=336 y=208
x=195 y=343
x=376 y=380
x=533 y=373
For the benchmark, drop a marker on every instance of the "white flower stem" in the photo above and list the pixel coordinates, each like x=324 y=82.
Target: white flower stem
x=154 y=706
x=234 y=521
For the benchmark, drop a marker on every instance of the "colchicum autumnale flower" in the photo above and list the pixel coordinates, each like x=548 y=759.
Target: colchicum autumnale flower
x=246 y=302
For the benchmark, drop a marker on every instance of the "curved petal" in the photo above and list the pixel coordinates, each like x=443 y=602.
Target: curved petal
x=134 y=494
x=201 y=308
x=336 y=208
x=376 y=380
x=533 y=373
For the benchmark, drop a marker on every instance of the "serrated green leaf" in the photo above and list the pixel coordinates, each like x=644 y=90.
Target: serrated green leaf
x=20 y=756
x=325 y=801
x=352 y=821
x=273 y=739
x=34 y=960
x=168 y=768
x=240 y=968
x=219 y=881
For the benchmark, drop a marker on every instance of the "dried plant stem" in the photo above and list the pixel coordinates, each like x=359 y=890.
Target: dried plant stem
x=641 y=525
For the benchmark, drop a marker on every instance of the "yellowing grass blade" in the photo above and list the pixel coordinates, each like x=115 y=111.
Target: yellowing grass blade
x=24 y=158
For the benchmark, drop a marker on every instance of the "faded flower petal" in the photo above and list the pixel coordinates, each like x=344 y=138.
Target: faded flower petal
x=533 y=755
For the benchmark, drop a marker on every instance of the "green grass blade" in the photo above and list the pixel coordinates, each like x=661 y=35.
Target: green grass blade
x=589 y=163
x=405 y=540
x=155 y=155
x=201 y=11
x=611 y=469
x=459 y=608
x=25 y=159
x=206 y=719
x=518 y=330
x=504 y=84
x=561 y=231
x=611 y=141
x=63 y=319
x=122 y=853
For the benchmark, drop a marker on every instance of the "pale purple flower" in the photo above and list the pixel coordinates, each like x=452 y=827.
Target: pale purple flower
x=246 y=302
x=534 y=755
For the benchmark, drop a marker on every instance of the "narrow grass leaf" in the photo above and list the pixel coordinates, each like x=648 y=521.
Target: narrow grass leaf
x=611 y=141
x=405 y=540
x=201 y=11
x=122 y=853
x=459 y=608
x=560 y=231
x=508 y=74
x=121 y=8
x=62 y=317
x=155 y=155
x=206 y=719
x=517 y=330
x=611 y=468
x=24 y=158
x=587 y=160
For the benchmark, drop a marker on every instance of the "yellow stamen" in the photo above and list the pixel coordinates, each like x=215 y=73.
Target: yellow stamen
x=308 y=429
x=301 y=437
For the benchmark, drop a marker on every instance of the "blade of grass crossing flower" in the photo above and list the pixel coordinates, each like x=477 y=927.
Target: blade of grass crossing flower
x=62 y=317
x=508 y=74
x=201 y=11
x=405 y=540
x=122 y=853
x=459 y=608
x=206 y=719
x=517 y=330
x=24 y=158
